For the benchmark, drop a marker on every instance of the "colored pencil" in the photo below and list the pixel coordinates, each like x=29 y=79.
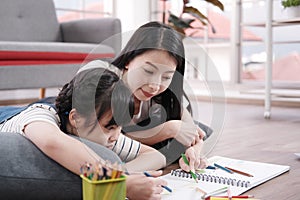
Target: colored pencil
x=239 y=172
x=238 y=197
x=163 y=186
x=223 y=168
x=191 y=172
x=216 y=192
x=200 y=190
x=210 y=167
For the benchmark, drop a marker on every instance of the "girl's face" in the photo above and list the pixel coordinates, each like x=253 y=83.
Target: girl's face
x=102 y=132
x=150 y=74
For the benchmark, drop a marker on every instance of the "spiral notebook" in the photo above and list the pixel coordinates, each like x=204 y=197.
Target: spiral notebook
x=209 y=180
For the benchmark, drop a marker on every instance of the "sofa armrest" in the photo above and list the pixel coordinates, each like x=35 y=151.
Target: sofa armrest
x=101 y=30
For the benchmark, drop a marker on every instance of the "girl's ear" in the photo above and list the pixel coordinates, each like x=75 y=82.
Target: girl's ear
x=73 y=118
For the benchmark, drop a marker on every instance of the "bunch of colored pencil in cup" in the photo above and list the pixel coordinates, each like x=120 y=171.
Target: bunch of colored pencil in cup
x=102 y=170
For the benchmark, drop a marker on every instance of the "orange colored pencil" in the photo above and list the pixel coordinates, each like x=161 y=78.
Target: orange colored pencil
x=239 y=172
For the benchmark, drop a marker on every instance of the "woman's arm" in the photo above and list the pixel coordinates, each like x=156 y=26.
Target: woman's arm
x=157 y=134
x=184 y=131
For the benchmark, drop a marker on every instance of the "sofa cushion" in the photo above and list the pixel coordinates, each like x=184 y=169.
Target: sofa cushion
x=37 y=76
x=29 y=20
x=100 y=30
x=26 y=53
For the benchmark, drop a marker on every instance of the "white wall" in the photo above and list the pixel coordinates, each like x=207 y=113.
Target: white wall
x=209 y=63
x=133 y=13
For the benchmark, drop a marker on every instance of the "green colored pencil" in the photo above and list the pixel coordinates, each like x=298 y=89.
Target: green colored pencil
x=187 y=162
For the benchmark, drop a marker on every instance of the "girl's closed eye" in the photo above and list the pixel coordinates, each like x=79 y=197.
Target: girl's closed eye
x=111 y=127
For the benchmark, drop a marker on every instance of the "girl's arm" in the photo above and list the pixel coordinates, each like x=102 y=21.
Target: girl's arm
x=148 y=159
x=71 y=154
x=67 y=151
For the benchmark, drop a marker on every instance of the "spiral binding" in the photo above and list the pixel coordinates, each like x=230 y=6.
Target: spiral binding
x=212 y=178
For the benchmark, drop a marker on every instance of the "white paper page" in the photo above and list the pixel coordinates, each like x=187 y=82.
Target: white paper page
x=186 y=188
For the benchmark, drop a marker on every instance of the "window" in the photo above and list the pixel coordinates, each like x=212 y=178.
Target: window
x=81 y=9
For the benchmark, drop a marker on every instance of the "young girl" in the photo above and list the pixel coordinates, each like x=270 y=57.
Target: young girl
x=87 y=107
x=152 y=65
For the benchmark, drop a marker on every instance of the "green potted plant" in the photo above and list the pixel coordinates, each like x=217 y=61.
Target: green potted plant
x=292 y=7
x=180 y=24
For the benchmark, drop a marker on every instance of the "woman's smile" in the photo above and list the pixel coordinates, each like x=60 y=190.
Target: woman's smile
x=147 y=94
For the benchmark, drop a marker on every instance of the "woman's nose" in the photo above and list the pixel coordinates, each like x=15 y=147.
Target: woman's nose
x=154 y=87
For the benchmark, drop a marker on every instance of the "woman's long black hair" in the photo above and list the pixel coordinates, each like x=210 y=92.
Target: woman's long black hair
x=158 y=36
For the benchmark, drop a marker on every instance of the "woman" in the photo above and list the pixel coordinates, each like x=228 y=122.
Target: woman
x=153 y=65
x=86 y=107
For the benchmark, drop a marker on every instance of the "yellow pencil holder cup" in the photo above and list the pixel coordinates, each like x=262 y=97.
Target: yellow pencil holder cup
x=111 y=189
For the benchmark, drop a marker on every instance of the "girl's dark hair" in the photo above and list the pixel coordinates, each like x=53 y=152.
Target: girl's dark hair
x=158 y=36
x=94 y=92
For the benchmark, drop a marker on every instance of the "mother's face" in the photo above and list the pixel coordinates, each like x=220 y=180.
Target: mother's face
x=150 y=74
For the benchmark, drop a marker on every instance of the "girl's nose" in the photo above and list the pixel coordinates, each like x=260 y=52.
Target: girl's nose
x=115 y=133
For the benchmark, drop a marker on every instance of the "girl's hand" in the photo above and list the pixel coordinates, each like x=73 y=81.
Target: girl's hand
x=193 y=156
x=141 y=187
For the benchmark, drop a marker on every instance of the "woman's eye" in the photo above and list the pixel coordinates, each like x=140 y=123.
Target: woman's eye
x=167 y=78
x=148 y=71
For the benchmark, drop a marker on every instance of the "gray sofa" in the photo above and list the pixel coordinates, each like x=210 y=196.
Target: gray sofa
x=36 y=51
x=26 y=173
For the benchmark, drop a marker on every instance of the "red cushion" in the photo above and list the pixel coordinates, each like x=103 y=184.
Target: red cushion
x=38 y=58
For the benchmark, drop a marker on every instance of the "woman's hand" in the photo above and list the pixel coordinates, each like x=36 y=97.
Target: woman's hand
x=194 y=157
x=185 y=130
x=141 y=187
x=185 y=133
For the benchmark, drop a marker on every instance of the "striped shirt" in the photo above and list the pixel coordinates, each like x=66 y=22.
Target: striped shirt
x=125 y=147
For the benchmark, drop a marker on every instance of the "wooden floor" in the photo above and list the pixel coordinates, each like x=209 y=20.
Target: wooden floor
x=242 y=132
x=247 y=135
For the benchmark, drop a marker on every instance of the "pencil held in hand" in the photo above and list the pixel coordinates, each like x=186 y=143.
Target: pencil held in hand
x=185 y=160
x=163 y=186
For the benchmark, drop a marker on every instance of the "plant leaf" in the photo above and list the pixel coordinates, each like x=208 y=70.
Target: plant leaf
x=196 y=13
x=216 y=3
x=180 y=30
x=179 y=22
